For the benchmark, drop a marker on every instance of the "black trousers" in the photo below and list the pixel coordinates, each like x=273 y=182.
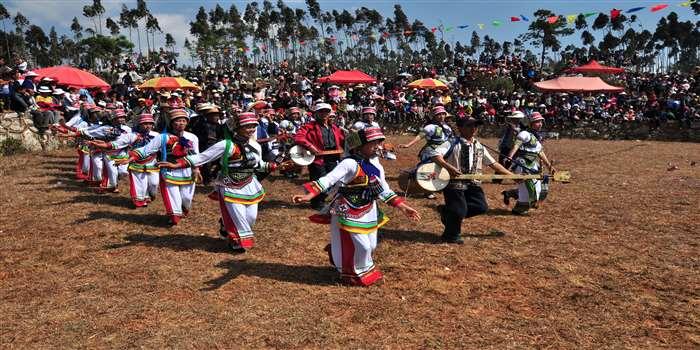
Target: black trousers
x=318 y=171
x=460 y=204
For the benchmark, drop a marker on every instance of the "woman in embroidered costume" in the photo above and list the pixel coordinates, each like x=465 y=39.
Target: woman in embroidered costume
x=176 y=185
x=358 y=182
x=78 y=121
x=237 y=187
x=103 y=172
x=435 y=132
x=527 y=153
x=143 y=173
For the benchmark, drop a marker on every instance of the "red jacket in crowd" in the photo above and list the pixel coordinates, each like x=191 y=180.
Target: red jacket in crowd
x=309 y=136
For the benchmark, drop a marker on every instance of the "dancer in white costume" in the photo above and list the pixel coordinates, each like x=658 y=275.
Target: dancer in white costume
x=527 y=153
x=176 y=185
x=353 y=214
x=237 y=187
x=143 y=173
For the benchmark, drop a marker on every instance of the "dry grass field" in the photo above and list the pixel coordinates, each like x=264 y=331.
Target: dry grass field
x=611 y=260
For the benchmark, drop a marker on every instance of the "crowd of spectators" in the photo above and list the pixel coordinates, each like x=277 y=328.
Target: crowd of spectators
x=489 y=90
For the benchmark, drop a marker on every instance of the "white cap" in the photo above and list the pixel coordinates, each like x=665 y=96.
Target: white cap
x=321 y=106
x=31 y=74
x=516 y=115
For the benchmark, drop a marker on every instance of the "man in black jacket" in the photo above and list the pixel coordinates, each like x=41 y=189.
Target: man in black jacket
x=208 y=129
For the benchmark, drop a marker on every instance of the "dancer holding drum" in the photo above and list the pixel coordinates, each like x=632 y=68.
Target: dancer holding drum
x=319 y=136
x=463 y=198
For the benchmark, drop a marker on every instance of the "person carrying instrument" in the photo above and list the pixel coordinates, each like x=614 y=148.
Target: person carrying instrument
x=528 y=153
x=237 y=187
x=507 y=139
x=358 y=182
x=436 y=132
x=463 y=198
x=318 y=136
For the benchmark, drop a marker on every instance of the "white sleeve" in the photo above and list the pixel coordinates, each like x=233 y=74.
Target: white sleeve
x=210 y=154
x=123 y=141
x=523 y=136
x=98 y=132
x=75 y=120
x=488 y=159
x=151 y=147
x=343 y=172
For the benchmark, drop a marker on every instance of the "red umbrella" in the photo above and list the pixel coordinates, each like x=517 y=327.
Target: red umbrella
x=594 y=67
x=73 y=77
x=348 y=77
x=576 y=84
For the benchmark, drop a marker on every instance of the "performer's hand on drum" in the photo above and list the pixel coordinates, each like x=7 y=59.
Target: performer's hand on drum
x=409 y=212
x=314 y=151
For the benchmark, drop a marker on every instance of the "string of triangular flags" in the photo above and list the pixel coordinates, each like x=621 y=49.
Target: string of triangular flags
x=569 y=19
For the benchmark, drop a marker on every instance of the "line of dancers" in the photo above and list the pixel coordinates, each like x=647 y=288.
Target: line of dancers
x=344 y=187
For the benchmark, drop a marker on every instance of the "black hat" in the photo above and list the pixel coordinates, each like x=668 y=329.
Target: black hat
x=465 y=122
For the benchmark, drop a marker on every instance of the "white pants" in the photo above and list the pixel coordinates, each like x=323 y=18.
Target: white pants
x=83 y=166
x=122 y=170
x=352 y=252
x=143 y=185
x=176 y=198
x=529 y=191
x=103 y=167
x=238 y=220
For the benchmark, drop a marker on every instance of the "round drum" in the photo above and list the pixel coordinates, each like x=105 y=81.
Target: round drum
x=432 y=177
x=301 y=156
x=408 y=183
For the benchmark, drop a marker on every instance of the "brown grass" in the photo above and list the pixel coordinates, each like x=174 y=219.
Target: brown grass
x=611 y=260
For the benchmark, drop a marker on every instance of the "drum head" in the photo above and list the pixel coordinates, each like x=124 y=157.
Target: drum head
x=432 y=177
x=301 y=155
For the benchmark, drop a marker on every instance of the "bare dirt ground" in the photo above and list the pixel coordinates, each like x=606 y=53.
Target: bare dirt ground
x=610 y=261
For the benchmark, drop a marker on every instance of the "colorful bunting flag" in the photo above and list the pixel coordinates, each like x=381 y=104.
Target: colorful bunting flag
x=658 y=7
x=570 y=19
x=614 y=13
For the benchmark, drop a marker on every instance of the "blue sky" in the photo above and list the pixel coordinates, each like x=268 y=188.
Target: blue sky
x=174 y=15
